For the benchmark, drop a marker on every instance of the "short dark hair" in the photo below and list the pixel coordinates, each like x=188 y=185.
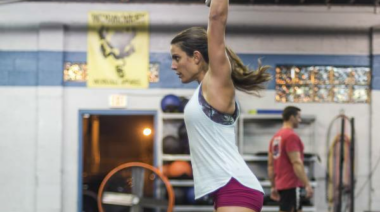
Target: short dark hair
x=289 y=111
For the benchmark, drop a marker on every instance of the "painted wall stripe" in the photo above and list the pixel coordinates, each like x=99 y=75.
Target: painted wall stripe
x=45 y=68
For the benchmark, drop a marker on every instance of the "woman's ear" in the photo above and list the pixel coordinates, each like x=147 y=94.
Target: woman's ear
x=197 y=57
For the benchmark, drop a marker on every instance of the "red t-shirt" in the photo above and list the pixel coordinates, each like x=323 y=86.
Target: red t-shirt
x=284 y=141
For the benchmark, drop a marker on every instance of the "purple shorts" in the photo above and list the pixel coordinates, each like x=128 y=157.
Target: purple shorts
x=235 y=194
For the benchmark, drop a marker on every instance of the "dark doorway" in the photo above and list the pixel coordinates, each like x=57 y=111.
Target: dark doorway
x=109 y=140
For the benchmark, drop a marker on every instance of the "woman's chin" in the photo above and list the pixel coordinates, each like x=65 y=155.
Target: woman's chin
x=184 y=81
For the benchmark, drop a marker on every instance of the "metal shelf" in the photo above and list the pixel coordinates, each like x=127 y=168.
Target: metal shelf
x=266 y=183
x=176 y=157
x=167 y=116
x=181 y=182
x=211 y=208
x=184 y=183
x=172 y=119
x=305 y=118
x=254 y=158
x=247 y=158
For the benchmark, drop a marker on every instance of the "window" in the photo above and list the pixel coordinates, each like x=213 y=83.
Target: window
x=77 y=72
x=323 y=84
x=154 y=72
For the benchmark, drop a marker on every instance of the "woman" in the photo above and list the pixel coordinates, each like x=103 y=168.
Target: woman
x=211 y=113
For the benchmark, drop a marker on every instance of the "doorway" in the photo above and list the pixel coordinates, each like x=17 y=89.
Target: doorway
x=107 y=140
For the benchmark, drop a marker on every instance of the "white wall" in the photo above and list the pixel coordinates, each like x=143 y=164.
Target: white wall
x=375 y=152
x=375 y=137
x=18 y=134
x=39 y=125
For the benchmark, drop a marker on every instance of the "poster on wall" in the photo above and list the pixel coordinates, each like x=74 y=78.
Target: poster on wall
x=118 y=49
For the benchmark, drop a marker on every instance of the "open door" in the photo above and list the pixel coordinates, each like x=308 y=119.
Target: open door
x=107 y=141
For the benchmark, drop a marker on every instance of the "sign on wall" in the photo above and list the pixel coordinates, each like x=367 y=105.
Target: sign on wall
x=118 y=49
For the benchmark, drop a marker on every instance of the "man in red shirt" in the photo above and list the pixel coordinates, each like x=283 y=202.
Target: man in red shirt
x=285 y=164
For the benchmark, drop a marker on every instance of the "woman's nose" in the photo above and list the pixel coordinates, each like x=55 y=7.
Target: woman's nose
x=174 y=66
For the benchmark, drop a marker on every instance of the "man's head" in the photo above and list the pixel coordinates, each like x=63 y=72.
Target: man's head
x=292 y=116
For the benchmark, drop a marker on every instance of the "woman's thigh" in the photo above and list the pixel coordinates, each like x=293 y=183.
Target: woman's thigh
x=236 y=197
x=234 y=209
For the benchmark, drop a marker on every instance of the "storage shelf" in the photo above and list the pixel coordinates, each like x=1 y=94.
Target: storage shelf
x=250 y=126
x=167 y=116
x=176 y=157
x=247 y=158
x=266 y=183
x=305 y=118
x=255 y=158
x=181 y=182
x=211 y=208
x=184 y=183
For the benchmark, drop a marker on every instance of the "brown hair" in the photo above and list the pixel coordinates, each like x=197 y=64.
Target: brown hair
x=289 y=111
x=244 y=79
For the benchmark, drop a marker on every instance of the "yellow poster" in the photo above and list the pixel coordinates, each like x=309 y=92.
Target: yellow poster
x=118 y=49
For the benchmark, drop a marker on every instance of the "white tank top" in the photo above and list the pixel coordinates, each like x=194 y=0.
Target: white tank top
x=215 y=158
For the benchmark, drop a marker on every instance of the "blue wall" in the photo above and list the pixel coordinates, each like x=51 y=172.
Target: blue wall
x=31 y=68
x=376 y=73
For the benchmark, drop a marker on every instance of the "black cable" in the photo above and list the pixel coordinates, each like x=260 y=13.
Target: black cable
x=341 y=163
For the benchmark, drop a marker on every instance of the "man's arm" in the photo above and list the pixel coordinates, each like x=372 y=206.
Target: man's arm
x=299 y=170
x=274 y=194
x=270 y=170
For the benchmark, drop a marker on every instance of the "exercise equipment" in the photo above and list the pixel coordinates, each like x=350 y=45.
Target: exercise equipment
x=190 y=196
x=165 y=169
x=340 y=176
x=133 y=187
x=185 y=145
x=171 y=145
x=205 y=200
x=89 y=201
x=180 y=170
x=182 y=132
x=339 y=173
x=180 y=195
x=184 y=102
x=171 y=104
x=183 y=138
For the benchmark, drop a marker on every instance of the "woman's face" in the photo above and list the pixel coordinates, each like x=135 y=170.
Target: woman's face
x=185 y=67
